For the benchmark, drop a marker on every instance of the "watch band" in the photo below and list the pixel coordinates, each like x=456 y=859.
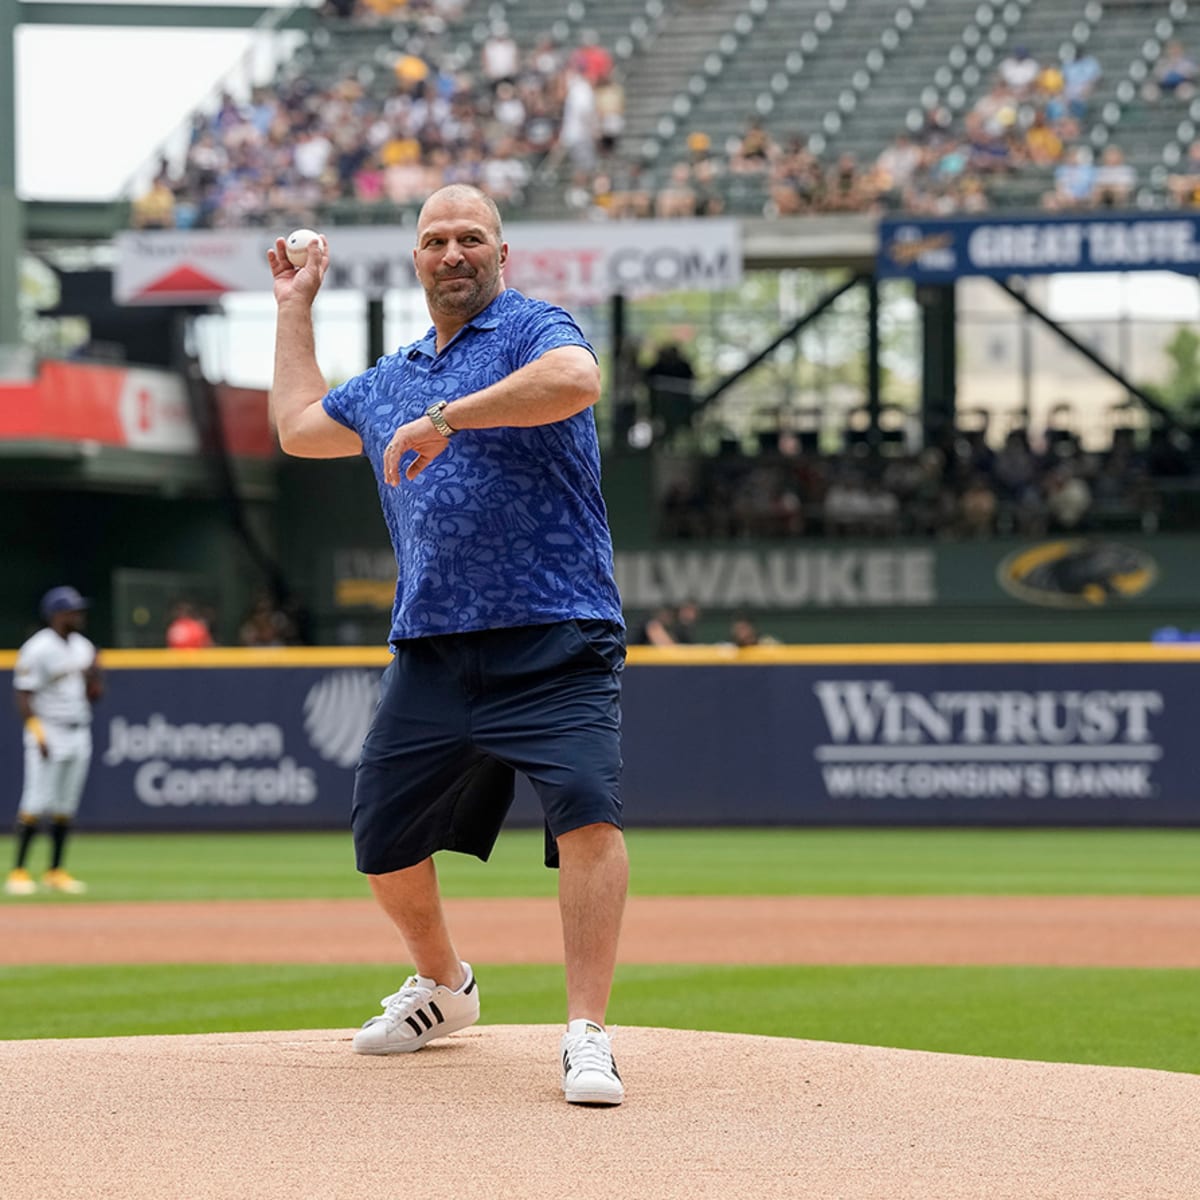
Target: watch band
x=434 y=413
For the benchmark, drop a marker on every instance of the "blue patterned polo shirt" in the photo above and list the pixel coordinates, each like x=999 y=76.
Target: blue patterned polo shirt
x=507 y=526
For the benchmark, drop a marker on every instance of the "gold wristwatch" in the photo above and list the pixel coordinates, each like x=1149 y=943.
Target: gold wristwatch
x=434 y=413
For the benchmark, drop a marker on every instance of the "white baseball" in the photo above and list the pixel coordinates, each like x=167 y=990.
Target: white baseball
x=297 y=245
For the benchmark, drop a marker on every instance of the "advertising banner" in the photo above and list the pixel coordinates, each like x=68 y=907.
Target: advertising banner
x=930 y=744
x=940 y=250
x=731 y=742
x=1085 y=572
x=133 y=407
x=568 y=262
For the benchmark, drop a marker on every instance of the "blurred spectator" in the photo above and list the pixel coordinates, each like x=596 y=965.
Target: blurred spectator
x=708 y=201
x=755 y=149
x=977 y=508
x=995 y=112
x=795 y=182
x=1114 y=181
x=266 y=624
x=155 y=208
x=671 y=379
x=500 y=57
x=610 y=112
x=1068 y=497
x=579 y=129
x=1080 y=74
x=1075 y=178
x=1019 y=71
x=590 y=58
x=744 y=632
x=1174 y=73
x=655 y=630
x=844 y=188
x=187 y=630
x=684 y=629
x=1183 y=187
x=676 y=197
x=1043 y=146
x=897 y=163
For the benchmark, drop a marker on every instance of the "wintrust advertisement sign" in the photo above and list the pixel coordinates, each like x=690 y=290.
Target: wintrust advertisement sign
x=786 y=736
x=951 y=743
x=882 y=741
x=567 y=262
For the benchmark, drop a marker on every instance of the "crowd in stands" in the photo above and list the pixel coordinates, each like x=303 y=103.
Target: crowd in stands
x=680 y=625
x=293 y=149
x=192 y=625
x=507 y=116
x=960 y=488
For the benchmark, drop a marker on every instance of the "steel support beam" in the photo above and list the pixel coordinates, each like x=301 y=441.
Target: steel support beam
x=156 y=16
x=12 y=237
x=794 y=328
x=1143 y=397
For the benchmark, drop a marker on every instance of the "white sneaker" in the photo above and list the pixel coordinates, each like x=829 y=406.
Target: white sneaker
x=589 y=1073
x=419 y=1012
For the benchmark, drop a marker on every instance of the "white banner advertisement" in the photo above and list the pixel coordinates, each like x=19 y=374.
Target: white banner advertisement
x=567 y=262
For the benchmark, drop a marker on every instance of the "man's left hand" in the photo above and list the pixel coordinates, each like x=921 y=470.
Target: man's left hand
x=419 y=436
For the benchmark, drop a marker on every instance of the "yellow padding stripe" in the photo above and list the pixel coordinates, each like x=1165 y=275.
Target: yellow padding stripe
x=700 y=656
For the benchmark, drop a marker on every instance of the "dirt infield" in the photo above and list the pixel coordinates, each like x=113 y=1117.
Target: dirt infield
x=1075 y=931
x=297 y=1116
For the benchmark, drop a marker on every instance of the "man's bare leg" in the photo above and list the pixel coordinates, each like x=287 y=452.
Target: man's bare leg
x=412 y=899
x=593 y=878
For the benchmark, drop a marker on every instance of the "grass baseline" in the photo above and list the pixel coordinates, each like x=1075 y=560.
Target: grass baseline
x=1107 y=1016
x=725 y=861
x=1114 y=1017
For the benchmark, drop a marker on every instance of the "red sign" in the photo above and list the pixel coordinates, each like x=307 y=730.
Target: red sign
x=134 y=407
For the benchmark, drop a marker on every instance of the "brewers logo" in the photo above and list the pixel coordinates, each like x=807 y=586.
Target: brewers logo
x=1077 y=573
x=337 y=714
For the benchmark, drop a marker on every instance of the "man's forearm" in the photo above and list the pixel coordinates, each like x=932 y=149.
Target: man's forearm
x=298 y=382
x=551 y=389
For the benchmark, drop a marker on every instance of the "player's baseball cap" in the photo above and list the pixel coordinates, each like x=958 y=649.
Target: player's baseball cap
x=62 y=599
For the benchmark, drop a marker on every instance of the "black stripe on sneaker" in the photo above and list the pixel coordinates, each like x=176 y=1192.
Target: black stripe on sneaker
x=470 y=987
x=424 y=1018
x=416 y=1028
x=566 y=1063
x=437 y=1012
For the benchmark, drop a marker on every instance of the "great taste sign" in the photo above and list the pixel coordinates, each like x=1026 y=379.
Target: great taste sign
x=939 y=250
x=826 y=736
x=566 y=262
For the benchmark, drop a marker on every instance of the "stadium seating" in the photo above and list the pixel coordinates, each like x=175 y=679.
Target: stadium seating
x=843 y=76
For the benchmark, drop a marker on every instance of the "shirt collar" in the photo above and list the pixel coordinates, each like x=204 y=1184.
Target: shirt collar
x=487 y=318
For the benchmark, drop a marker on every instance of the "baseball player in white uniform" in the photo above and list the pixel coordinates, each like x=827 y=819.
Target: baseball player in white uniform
x=57 y=678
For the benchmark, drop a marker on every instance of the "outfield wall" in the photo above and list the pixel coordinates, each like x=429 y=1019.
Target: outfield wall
x=839 y=735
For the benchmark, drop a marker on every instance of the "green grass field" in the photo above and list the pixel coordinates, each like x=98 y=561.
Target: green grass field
x=1116 y=1017
x=733 y=862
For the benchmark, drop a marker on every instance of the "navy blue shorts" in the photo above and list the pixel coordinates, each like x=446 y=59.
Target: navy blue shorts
x=459 y=714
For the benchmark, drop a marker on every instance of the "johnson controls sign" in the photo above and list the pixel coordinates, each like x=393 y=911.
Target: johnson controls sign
x=229 y=748
x=884 y=741
x=208 y=764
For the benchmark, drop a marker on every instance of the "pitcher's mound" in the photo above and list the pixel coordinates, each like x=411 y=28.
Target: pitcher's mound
x=298 y=1116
